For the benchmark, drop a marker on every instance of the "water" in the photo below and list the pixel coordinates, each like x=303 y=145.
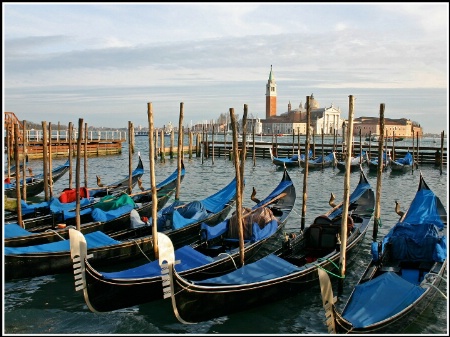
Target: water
x=50 y=305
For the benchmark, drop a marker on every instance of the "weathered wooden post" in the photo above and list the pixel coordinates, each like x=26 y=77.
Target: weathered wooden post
x=70 y=131
x=180 y=150
x=16 y=159
x=343 y=234
x=45 y=159
x=130 y=157
x=305 y=174
x=377 y=219
x=24 y=160
x=85 y=162
x=50 y=161
x=172 y=140
x=190 y=143
x=77 y=171
x=152 y=181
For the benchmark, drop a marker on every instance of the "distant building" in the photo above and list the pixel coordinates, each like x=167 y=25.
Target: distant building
x=401 y=127
x=325 y=120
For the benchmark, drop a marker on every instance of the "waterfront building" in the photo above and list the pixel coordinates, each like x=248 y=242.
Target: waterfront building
x=401 y=127
x=326 y=120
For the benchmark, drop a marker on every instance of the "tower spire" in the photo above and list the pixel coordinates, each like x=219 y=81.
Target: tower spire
x=271 y=96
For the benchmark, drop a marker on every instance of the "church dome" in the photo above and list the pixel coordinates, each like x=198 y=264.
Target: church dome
x=313 y=103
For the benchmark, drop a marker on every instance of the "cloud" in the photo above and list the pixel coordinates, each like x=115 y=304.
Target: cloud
x=106 y=57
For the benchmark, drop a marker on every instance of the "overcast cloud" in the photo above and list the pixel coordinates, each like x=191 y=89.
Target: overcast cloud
x=104 y=62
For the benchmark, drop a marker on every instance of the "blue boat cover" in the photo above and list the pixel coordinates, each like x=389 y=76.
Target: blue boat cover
x=188 y=256
x=417 y=238
x=58 y=206
x=12 y=230
x=406 y=160
x=294 y=158
x=276 y=192
x=174 y=216
x=100 y=215
x=374 y=161
x=93 y=240
x=30 y=208
x=54 y=205
x=257 y=233
x=192 y=212
x=216 y=202
x=267 y=268
x=28 y=180
x=380 y=298
x=328 y=158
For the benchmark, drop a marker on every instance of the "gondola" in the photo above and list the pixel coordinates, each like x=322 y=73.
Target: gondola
x=215 y=253
x=282 y=274
x=320 y=161
x=403 y=164
x=35 y=184
x=292 y=161
x=110 y=214
x=373 y=162
x=407 y=267
x=58 y=210
x=132 y=243
x=355 y=162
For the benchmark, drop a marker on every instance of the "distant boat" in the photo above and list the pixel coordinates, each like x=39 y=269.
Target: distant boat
x=141 y=133
x=373 y=138
x=168 y=129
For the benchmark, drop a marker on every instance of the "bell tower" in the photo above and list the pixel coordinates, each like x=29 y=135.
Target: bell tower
x=271 y=96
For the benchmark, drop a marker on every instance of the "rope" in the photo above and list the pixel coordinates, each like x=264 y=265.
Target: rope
x=328 y=271
x=428 y=282
x=230 y=258
x=148 y=259
x=55 y=232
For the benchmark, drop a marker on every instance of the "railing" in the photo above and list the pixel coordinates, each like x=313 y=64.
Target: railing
x=63 y=135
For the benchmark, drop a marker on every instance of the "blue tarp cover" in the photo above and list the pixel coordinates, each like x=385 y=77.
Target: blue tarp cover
x=217 y=201
x=209 y=232
x=13 y=229
x=93 y=240
x=30 y=208
x=191 y=213
x=188 y=256
x=417 y=237
x=267 y=268
x=175 y=217
x=294 y=158
x=329 y=157
x=58 y=206
x=172 y=217
x=379 y=299
x=406 y=160
x=100 y=215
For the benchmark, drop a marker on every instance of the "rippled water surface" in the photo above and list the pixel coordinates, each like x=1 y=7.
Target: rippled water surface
x=50 y=305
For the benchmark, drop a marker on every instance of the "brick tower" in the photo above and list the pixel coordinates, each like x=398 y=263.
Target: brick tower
x=271 y=96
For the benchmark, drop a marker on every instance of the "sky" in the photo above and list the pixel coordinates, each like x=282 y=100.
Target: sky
x=104 y=62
